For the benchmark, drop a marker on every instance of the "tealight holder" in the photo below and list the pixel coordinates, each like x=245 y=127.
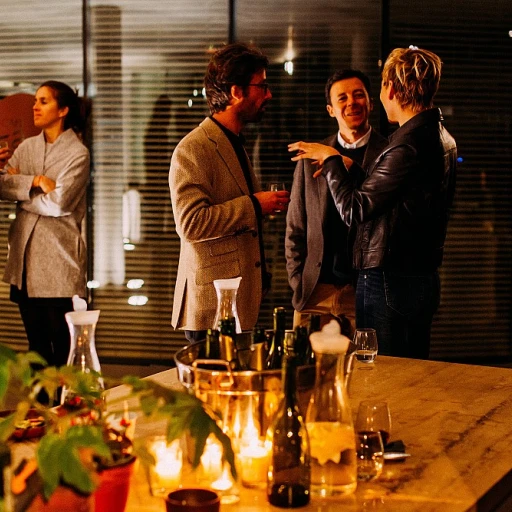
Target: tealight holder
x=212 y=473
x=246 y=428
x=165 y=474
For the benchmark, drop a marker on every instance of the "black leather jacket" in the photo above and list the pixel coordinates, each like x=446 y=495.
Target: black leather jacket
x=401 y=209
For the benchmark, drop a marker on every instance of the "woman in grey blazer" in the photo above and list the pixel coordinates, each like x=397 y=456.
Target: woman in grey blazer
x=47 y=177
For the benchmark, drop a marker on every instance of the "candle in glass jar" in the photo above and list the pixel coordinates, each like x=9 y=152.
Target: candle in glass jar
x=254 y=459
x=224 y=482
x=168 y=465
x=211 y=459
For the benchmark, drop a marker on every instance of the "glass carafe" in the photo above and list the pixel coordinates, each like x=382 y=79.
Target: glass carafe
x=82 y=353
x=226 y=301
x=330 y=427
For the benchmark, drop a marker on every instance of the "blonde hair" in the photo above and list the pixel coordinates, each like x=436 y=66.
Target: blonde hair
x=415 y=75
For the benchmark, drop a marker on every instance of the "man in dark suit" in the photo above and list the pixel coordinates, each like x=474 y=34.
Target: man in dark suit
x=318 y=244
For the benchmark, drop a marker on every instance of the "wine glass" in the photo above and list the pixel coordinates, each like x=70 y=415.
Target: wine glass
x=370 y=455
x=374 y=417
x=365 y=341
x=373 y=426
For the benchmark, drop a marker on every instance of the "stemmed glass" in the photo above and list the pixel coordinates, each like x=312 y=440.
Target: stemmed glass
x=373 y=427
x=365 y=341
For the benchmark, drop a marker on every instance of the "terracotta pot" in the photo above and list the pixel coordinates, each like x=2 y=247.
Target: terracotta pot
x=63 y=499
x=110 y=496
x=112 y=493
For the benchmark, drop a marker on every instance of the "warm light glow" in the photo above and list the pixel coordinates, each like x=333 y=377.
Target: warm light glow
x=137 y=300
x=251 y=430
x=11 y=216
x=166 y=473
x=225 y=482
x=290 y=52
x=135 y=284
x=254 y=461
x=211 y=460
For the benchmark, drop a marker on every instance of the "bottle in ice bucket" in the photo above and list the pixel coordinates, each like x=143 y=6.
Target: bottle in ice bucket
x=329 y=418
x=300 y=346
x=212 y=344
x=227 y=342
x=289 y=470
x=276 y=350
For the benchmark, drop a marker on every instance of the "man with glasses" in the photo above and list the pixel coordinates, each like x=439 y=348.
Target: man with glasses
x=217 y=201
x=318 y=245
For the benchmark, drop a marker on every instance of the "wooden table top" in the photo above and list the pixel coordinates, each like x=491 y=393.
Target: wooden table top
x=455 y=420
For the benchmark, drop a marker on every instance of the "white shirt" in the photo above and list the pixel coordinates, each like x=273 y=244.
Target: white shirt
x=358 y=143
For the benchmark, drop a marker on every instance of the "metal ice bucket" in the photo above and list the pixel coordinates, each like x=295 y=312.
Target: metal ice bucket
x=239 y=396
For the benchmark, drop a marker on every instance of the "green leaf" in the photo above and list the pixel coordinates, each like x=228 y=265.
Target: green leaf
x=7 y=354
x=4 y=380
x=59 y=458
x=75 y=474
x=49 y=455
x=7 y=427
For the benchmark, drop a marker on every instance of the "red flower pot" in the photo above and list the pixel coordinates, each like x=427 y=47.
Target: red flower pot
x=112 y=492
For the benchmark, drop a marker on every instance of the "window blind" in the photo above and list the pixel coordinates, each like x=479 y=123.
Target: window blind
x=144 y=66
x=39 y=41
x=473 y=321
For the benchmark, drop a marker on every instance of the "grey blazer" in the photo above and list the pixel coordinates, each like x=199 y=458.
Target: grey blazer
x=218 y=228
x=46 y=238
x=304 y=240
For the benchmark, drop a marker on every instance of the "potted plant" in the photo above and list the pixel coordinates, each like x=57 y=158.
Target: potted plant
x=77 y=441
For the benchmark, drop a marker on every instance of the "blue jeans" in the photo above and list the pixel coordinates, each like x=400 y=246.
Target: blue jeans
x=400 y=307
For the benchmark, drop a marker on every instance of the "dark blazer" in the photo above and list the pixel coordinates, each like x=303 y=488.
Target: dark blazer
x=217 y=224
x=305 y=233
x=401 y=210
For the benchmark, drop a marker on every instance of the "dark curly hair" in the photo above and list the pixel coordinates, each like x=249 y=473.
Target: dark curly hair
x=233 y=64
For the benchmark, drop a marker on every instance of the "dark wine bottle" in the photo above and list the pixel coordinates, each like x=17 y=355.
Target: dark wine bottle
x=227 y=342
x=212 y=344
x=289 y=473
x=300 y=346
x=314 y=323
x=258 y=335
x=276 y=350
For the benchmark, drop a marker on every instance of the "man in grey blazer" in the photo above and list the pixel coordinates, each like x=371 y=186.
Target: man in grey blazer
x=217 y=201
x=318 y=245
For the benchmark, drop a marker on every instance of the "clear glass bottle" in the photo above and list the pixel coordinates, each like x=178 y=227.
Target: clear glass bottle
x=227 y=290
x=82 y=353
x=289 y=470
x=329 y=423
